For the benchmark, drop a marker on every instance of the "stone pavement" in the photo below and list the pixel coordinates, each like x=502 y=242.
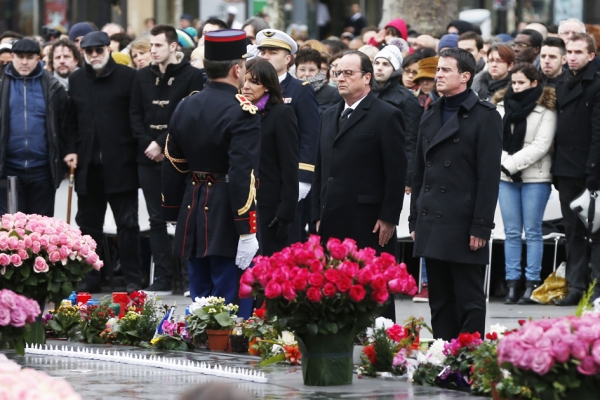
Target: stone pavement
x=107 y=381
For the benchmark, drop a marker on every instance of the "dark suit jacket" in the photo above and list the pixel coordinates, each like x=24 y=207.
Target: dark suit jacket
x=577 y=151
x=360 y=172
x=456 y=180
x=277 y=193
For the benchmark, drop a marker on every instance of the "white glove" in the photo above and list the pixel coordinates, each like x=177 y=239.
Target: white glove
x=303 y=189
x=247 y=248
x=252 y=51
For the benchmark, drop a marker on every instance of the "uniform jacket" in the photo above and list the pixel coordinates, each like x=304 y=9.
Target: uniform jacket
x=360 y=172
x=209 y=132
x=301 y=96
x=327 y=96
x=53 y=99
x=154 y=99
x=99 y=106
x=456 y=180
x=535 y=158
x=577 y=146
x=403 y=99
x=277 y=194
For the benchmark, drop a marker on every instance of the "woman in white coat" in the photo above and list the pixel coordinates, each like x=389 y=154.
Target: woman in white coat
x=529 y=123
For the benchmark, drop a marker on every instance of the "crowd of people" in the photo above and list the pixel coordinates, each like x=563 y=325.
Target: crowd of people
x=335 y=131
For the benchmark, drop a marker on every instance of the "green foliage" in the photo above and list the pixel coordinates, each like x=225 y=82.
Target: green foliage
x=14 y=338
x=215 y=314
x=384 y=349
x=95 y=321
x=426 y=374
x=486 y=370
x=66 y=322
x=585 y=303
x=134 y=328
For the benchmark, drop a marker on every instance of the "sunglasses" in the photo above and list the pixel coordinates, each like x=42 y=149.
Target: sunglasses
x=90 y=50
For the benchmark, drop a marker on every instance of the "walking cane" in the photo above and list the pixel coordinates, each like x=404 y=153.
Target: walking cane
x=71 y=180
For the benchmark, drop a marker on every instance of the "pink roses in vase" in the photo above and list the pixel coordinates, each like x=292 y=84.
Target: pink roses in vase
x=42 y=256
x=555 y=356
x=312 y=291
x=16 y=312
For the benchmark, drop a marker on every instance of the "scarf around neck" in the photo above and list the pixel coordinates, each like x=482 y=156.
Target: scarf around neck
x=517 y=106
x=572 y=79
x=494 y=85
x=316 y=81
x=262 y=103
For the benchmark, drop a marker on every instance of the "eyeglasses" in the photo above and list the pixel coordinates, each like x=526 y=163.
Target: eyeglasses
x=497 y=61
x=90 y=50
x=346 y=72
x=409 y=72
x=520 y=45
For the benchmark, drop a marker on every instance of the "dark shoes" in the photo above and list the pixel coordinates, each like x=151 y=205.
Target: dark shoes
x=572 y=299
x=132 y=287
x=530 y=286
x=89 y=287
x=513 y=292
x=160 y=287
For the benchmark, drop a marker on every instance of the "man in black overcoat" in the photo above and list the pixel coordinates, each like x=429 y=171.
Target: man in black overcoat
x=454 y=193
x=102 y=148
x=576 y=164
x=360 y=169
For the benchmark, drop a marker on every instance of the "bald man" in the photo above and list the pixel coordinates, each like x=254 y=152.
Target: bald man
x=541 y=28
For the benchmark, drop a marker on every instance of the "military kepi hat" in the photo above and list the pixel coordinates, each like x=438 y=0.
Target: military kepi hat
x=26 y=46
x=95 y=39
x=225 y=45
x=276 y=39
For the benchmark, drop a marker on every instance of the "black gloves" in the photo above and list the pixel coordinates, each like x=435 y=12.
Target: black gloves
x=279 y=228
x=515 y=177
x=592 y=183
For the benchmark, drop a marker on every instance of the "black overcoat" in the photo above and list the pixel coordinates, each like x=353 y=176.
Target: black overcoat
x=360 y=172
x=277 y=194
x=577 y=150
x=210 y=132
x=455 y=181
x=99 y=106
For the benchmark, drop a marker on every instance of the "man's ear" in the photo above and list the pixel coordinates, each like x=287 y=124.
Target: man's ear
x=173 y=46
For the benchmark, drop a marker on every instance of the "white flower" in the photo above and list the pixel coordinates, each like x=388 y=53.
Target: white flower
x=597 y=305
x=212 y=311
x=287 y=338
x=435 y=354
x=498 y=329
x=380 y=322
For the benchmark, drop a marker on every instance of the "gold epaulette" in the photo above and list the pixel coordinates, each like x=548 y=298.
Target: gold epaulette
x=174 y=160
x=305 y=83
x=246 y=104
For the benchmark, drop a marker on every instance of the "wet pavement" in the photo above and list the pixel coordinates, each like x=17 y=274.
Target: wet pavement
x=108 y=381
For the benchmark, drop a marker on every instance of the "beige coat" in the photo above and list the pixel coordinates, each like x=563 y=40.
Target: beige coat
x=535 y=158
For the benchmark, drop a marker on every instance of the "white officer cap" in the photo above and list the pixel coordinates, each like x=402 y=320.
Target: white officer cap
x=276 y=39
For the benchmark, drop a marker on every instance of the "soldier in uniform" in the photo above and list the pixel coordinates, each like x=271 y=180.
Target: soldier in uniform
x=209 y=174
x=277 y=47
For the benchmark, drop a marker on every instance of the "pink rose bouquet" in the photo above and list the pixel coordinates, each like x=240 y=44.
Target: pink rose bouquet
x=42 y=256
x=311 y=289
x=16 y=312
x=559 y=355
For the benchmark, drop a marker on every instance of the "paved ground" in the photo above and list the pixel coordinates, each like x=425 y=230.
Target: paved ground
x=107 y=381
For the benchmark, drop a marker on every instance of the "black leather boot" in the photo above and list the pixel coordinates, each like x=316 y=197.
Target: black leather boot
x=530 y=286
x=513 y=296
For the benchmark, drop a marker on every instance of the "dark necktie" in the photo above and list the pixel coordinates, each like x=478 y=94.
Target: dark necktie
x=344 y=118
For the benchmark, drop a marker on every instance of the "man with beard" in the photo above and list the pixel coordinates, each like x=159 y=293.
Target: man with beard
x=552 y=58
x=65 y=59
x=157 y=90
x=101 y=146
x=32 y=106
x=387 y=67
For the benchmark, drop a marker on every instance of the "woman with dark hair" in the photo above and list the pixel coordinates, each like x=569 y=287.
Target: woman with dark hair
x=529 y=121
x=277 y=194
x=501 y=59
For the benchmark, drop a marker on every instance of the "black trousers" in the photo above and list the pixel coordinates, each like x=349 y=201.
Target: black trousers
x=35 y=190
x=578 y=260
x=456 y=298
x=90 y=218
x=150 y=175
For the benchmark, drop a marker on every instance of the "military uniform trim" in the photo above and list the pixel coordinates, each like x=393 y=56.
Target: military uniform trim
x=305 y=83
x=174 y=160
x=253 y=226
x=307 y=167
x=246 y=104
x=251 y=195
x=161 y=103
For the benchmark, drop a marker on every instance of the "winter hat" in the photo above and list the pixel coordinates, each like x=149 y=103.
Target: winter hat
x=184 y=39
x=399 y=24
x=505 y=37
x=121 y=58
x=80 y=29
x=392 y=54
x=462 y=26
x=427 y=68
x=191 y=31
x=26 y=46
x=450 y=40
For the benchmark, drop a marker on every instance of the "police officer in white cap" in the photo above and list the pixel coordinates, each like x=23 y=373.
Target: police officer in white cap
x=277 y=47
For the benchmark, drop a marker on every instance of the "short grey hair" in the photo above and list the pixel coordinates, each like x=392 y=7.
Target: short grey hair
x=564 y=21
x=257 y=23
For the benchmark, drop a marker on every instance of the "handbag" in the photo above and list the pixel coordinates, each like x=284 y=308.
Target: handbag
x=587 y=207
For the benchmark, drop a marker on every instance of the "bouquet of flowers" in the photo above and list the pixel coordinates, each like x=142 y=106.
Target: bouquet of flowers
x=66 y=322
x=174 y=336
x=28 y=383
x=139 y=323
x=95 y=320
x=557 y=358
x=310 y=291
x=284 y=348
x=258 y=331
x=42 y=256
x=209 y=313
x=16 y=312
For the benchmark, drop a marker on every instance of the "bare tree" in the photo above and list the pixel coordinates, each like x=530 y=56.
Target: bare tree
x=425 y=16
